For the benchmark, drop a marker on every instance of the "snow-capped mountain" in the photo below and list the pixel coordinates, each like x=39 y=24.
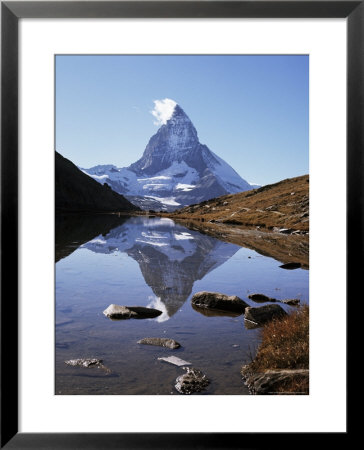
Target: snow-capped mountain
x=175 y=170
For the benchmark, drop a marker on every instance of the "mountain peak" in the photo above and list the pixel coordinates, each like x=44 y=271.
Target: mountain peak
x=175 y=141
x=179 y=117
x=175 y=168
x=178 y=113
x=179 y=131
x=168 y=111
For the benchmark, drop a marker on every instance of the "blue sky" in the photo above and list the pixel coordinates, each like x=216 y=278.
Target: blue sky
x=250 y=110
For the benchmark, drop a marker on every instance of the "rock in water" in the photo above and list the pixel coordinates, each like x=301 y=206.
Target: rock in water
x=290 y=266
x=261 y=298
x=216 y=312
x=192 y=381
x=84 y=362
x=130 y=312
x=119 y=312
x=162 y=342
x=264 y=313
x=264 y=298
x=215 y=300
x=174 y=360
x=291 y=301
x=250 y=325
x=87 y=363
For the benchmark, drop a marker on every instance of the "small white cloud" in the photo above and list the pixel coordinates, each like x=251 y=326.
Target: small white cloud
x=163 y=110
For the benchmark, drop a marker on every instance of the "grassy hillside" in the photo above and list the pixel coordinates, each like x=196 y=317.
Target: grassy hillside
x=76 y=191
x=282 y=205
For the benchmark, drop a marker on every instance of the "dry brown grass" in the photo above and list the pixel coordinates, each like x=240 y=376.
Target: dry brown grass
x=284 y=204
x=295 y=385
x=285 y=344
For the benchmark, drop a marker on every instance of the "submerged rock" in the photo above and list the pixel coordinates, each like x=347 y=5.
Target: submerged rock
x=130 y=312
x=87 y=363
x=174 y=360
x=192 y=381
x=264 y=313
x=162 y=342
x=84 y=362
x=215 y=300
x=216 y=312
x=291 y=266
x=264 y=298
x=261 y=298
x=250 y=325
x=274 y=381
x=291 y=301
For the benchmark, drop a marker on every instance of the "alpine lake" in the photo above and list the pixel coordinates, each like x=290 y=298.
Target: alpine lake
x=157 y=263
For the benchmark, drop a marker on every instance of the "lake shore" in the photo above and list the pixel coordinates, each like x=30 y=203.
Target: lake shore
x=154 y=262
x=281 y=365
x=272 y=220
x=282 y=247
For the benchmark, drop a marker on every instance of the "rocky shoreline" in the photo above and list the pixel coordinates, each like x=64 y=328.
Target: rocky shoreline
x=272 y=382
x=259 y=382
x=286 y=248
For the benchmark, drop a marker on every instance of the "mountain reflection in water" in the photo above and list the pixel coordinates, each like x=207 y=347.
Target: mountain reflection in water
x=171 y=258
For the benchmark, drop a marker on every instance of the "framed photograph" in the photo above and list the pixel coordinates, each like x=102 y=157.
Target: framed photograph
x=167 y=173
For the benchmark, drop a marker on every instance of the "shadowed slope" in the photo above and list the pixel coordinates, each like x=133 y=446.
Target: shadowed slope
x=76 y=191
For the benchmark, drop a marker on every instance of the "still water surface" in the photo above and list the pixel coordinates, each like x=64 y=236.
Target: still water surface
x=154 y=262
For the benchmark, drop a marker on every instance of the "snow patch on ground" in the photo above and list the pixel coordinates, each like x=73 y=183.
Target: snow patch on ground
x=98 y=241
x=161 y=177
x=170 y=201
x=98 y=178
x=227 y=176
x=182 y=236
x=150 y=242
x=185 y=187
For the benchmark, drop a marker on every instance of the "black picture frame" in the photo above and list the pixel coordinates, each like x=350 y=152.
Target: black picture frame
x=11 y=12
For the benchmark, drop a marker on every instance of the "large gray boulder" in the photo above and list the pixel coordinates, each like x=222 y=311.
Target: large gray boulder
x=263 y=314
x=130 y=312
x=162 y=342
x=192 y=381
x=216 y=300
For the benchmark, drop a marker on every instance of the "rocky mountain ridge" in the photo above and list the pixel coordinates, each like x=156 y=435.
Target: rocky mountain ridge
x=175 y=170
